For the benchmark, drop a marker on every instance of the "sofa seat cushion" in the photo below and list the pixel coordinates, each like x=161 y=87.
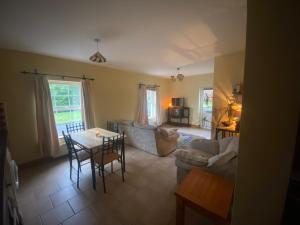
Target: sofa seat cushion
x=193 y=157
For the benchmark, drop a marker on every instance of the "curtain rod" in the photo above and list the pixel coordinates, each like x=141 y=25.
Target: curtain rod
x=150 y=85
x=56 y=75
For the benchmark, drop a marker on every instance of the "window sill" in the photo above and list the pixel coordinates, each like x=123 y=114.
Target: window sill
x=61 y=141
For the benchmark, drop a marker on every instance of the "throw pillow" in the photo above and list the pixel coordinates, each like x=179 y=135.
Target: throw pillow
x=221 y=159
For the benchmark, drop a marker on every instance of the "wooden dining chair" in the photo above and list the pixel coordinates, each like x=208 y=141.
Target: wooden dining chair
x=75 y=127
x=112 y=149
x=76 y=152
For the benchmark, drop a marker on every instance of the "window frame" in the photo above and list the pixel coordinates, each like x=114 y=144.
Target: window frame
x=69 y=107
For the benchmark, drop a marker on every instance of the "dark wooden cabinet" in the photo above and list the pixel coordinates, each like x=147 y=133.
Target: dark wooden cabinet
x=179 y=116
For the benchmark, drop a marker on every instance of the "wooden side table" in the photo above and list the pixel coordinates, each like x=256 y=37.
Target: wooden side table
x=226 y=130
x=207 y=193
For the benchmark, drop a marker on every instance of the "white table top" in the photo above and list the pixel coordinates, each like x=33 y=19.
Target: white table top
x=92 y=138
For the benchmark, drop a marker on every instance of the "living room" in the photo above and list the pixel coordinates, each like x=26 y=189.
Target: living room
x=186 y=49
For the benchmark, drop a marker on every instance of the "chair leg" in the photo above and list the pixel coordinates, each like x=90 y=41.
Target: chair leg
x=70 y=168
x=80 y=168
x=103 y=178
x=78 y=176
x=112 y=167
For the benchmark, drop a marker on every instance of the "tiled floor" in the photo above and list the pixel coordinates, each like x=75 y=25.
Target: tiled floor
x=47 y=196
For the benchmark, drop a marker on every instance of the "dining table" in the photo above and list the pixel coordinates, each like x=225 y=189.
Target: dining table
x=91 y=140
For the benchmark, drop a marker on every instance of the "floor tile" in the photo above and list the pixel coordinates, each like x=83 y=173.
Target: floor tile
x=79 y=202
x=84 y=217
x=63 y=195
x=36 y=207
x=57 y=215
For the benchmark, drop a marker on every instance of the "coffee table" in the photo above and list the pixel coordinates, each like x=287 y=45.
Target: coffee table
x=209 y=194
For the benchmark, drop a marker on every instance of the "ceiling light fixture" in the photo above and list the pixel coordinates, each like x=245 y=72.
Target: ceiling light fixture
x=97 y=57
x=179 y=76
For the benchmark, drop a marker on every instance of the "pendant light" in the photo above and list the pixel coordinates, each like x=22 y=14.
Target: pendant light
x=180 y=76
x=97 y=57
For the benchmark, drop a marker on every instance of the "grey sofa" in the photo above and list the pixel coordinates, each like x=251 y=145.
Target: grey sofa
x=155 y=140
x=219 y=157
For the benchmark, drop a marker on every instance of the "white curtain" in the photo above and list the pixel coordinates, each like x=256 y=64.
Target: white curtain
x=158 y=119
x=88 y=111
x=142 y=111
x=47 y=134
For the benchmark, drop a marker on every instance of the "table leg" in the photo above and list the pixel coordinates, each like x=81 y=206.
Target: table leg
x=179 y=211
x=93 y=170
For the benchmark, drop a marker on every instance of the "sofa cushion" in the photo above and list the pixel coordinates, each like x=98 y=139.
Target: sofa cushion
x=223 y=143
x=210 y=146
x=142 y=126
x=192 y=156
x=166 y=132
x=224 y=157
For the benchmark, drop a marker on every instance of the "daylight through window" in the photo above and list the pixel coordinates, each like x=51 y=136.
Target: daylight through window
x=151 y=106
x=66 y=102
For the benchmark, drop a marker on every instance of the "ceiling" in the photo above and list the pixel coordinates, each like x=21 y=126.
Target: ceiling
x=152 y=37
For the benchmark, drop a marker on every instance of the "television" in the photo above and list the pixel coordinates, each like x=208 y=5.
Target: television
x=178 y=102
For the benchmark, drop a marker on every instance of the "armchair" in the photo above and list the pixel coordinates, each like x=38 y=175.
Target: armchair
x=219 y=157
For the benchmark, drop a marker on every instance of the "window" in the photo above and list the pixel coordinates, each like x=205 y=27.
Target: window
x=66 y=102
x=151 y=106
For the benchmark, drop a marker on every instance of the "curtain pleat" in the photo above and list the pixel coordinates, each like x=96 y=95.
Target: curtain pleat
x=88 y=111
x=46 y=129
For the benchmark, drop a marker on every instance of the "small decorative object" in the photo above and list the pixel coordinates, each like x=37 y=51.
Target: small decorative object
x=97 y=57
x=236 y=89
x=98 y=133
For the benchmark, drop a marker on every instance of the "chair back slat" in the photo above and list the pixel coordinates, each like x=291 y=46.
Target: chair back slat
x=112 y=126
x=113 y=144
x=75 y=127
x=70 y=145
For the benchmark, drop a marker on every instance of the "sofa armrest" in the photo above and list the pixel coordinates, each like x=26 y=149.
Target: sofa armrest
x=165 y=145
x=209 y=146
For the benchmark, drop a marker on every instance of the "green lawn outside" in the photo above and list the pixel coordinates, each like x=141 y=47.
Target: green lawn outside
x=65 y=117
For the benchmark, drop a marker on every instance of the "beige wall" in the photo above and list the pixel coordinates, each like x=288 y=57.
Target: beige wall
x=229 y=70
x=271 y=110
x=189 y=89
x=115 y=95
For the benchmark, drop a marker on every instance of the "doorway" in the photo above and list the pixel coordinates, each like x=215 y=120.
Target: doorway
x=205 y=107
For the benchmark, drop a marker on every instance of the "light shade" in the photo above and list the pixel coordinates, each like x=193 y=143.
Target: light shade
x=98 y=58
